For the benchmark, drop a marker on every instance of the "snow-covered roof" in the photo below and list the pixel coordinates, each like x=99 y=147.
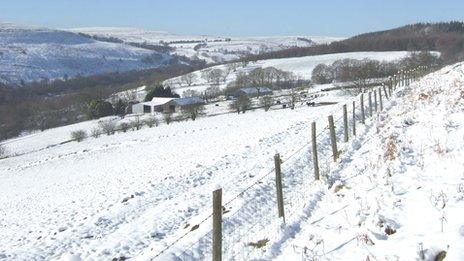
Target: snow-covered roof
x=188 y=101
x=255 y=90
x=157 y=101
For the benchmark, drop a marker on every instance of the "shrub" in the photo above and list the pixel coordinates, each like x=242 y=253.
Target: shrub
x=2 y=151
x=78 y=135
x=241 y=103
x=151 y=121
x=136 y=124
x=107 y=126
x=267 y=102
x=193 y=111
x=167 y=118
x=124 y=126
x=392 y=149
x=95 y=132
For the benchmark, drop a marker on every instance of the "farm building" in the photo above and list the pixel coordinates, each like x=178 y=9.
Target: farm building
x=253 y=91
x=166 y=105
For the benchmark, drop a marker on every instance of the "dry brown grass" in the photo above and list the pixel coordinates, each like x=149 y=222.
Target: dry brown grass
x=439 y=148
x=392 y=149
x=260 y=243
x=424 y=96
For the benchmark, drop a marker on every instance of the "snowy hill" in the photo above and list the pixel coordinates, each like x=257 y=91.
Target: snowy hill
x=33 y=53
x=131 y=194
x=300 y=66
x=208 y=48
x=398 y=192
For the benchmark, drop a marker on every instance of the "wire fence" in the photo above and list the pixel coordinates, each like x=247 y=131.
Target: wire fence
x=250 y=218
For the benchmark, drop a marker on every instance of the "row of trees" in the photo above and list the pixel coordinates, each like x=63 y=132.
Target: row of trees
x=363 y=72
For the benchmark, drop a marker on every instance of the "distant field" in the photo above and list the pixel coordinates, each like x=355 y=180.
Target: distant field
x=301 y=66
x=215 y=48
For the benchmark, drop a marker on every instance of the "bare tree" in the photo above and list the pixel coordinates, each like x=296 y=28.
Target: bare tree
x=322 y=74
x=151 y=121
x=241 y=104
x=193 y=111
x=136 y=123
x=293 y=96
x=233 y=66
x=188 y=78
x=107 y=126
x=129 y=96
x=191 y=93
x=212 y=92
x=215 y=76
x=267 y=101
x=364 y=74
x=205 y=74
x=257 y=77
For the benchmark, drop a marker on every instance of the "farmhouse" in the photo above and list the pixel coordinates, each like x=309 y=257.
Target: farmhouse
x=166 y=105
x=253 y=91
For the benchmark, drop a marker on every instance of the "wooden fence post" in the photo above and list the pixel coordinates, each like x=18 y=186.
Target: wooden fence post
x=363 y=115
x=280 y=195
x=333 y=138
x=345 y=123
x=390 y=85
x=354 y=118
x=217 y=225
x=390 y=88
x=370 y=104
x=380 y=99
x=314 y=146
x=409 y=78
x=385 y=91
x=402 y=78
x=375 y=100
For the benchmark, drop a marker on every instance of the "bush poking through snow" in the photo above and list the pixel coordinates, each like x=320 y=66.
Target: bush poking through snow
x=267 y=101
x=389 y=230
x=259 y=244
x=95 y=132
x=167 y=118
x=364 y=239
x=107 y=126
x=390 y=154
x=151 y=122
x=79 y=135
x=2 y=152
x=124 y=126
x=136 y=124
x=440 y=256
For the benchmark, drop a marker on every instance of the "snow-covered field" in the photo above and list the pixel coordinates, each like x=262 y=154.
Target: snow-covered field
x=301 y=66
x=33 y=53
x=214 y=48
x=131 y=194
x=116 y=195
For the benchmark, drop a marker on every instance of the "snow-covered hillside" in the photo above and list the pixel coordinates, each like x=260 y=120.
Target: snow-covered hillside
x=398 y=192
x=208 y=48
x=301 y=66
x=32 y=53
x=131 y=194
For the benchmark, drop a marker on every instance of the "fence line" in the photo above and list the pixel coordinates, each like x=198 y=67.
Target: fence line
x=240 y=225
